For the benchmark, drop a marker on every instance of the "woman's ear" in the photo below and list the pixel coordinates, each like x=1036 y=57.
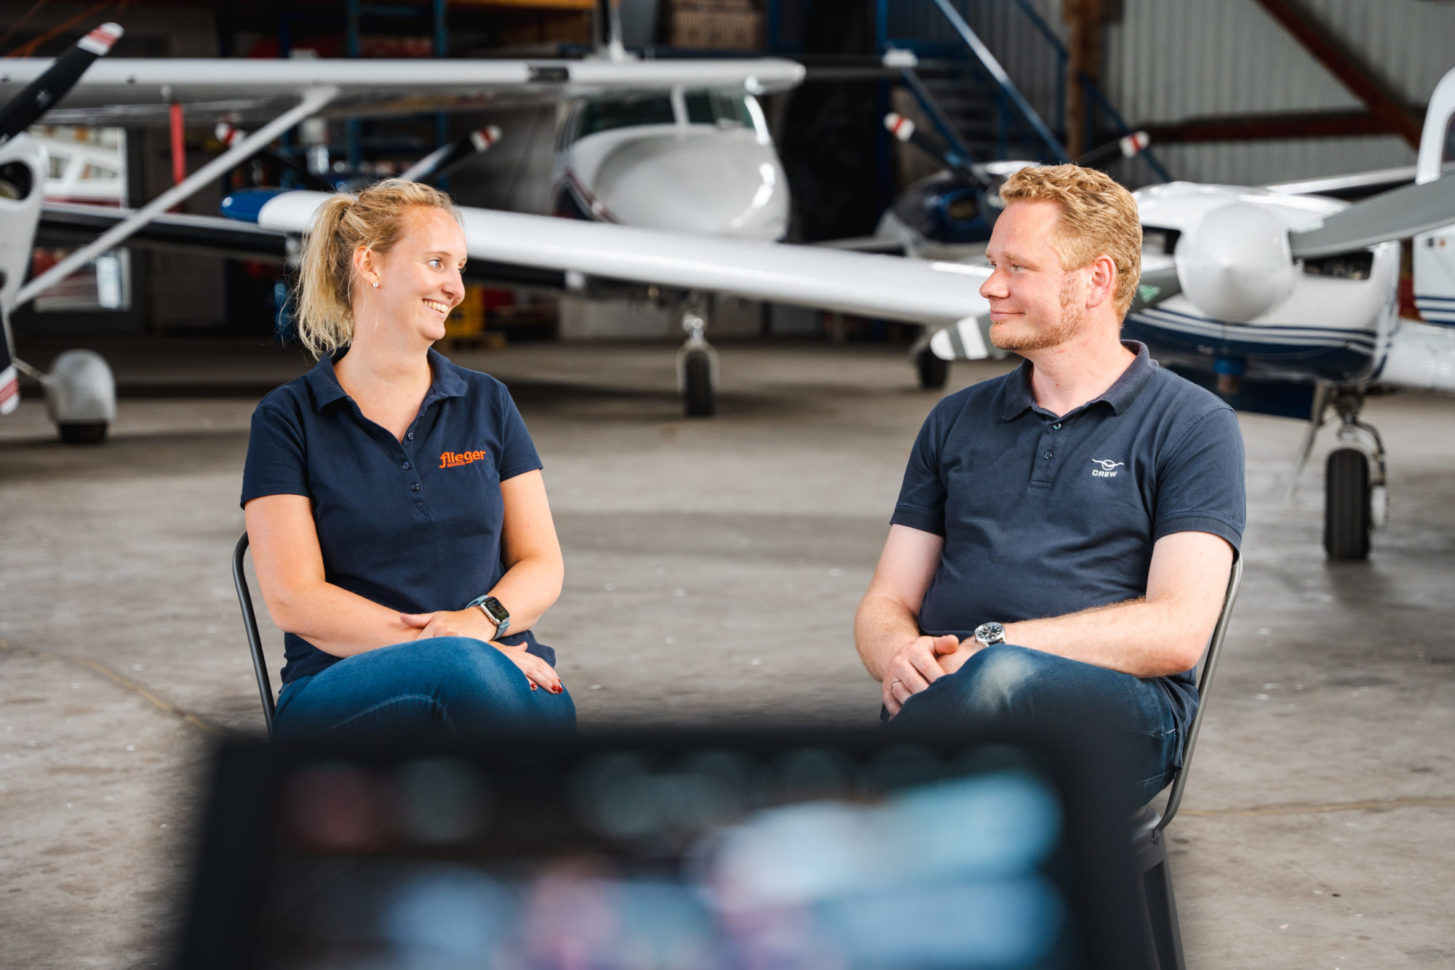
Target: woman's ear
x=364 y=270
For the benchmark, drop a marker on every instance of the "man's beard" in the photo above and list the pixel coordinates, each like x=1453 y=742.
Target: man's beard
x=1067 y=326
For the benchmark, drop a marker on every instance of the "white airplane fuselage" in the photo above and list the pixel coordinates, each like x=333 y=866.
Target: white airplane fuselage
x=700 y=164
x=1334 y=323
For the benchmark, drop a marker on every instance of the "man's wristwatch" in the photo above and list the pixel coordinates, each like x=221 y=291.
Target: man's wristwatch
x=495 y=612
x=988 y=634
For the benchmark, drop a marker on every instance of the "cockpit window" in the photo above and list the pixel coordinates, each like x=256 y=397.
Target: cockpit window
x=713 y=107
x=703 y=108
x=651 y=109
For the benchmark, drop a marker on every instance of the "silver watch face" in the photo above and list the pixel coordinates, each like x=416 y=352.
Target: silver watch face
x=989 y=633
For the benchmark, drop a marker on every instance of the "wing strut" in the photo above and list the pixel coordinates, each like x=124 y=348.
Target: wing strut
x=313 y=101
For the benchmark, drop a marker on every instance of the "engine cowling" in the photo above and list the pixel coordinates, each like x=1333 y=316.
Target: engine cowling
x=1235 y=264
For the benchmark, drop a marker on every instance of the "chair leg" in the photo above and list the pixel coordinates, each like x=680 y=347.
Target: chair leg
x=1162 y=913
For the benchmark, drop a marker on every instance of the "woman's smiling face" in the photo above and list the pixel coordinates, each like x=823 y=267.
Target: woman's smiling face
x=419 y=277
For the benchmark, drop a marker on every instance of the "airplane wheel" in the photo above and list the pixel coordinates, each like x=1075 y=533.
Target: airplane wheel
x=697 y=394
x=933 y=372
x=1346 y=505
x=82 y=432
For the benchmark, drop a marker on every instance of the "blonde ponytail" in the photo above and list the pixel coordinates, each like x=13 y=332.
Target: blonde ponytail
x=374 y=219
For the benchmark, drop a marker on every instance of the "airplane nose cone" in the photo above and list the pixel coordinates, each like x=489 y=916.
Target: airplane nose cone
x=714 y=181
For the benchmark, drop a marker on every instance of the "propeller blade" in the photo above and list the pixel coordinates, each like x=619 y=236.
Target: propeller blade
x=1127 y=146
x=908 y=132
x=23 y=109
x=1158 y=282
x=442 y=159
x=1393 y=215
x=230 y=134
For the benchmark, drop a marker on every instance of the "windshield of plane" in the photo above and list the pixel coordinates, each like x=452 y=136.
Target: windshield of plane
x=714 y=107
x=653 y=109
x=702 y=108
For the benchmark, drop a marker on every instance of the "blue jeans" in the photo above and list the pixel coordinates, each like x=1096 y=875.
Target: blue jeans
x=442 y=687
x=1009 y=684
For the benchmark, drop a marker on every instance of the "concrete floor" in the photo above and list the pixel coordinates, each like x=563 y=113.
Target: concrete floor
x=712 y=570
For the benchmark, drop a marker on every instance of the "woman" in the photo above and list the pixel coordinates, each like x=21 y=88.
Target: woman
x=394 y=501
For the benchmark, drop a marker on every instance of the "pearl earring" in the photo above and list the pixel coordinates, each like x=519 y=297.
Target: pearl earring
x=376 y=284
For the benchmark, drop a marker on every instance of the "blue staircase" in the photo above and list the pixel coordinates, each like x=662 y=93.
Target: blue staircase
x=965 y=92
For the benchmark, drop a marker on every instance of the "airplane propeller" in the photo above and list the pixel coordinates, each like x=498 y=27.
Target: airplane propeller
x=32 y=102
x=905 y=130
x=908 y=132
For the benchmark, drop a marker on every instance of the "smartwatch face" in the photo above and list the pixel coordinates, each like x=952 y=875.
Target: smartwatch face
x=497 y=612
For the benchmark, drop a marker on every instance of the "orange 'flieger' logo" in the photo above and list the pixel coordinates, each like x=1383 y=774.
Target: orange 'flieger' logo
x=454 y=459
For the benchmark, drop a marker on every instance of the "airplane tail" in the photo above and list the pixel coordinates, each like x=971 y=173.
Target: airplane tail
x=1434 y=251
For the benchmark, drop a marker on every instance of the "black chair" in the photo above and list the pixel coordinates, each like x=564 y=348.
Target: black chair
x=1149 y=845
x=250 y=624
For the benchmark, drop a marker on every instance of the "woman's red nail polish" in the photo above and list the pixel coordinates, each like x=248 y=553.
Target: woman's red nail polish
x=532 y=686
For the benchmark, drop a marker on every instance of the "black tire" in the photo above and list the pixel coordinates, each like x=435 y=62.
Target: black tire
x=933 y=372
x=697 y=385
x=82 y=432
x=1347 y=517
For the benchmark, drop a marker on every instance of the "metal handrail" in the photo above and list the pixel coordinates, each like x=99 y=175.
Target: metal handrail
x=1009 y=93
x=1002 y=79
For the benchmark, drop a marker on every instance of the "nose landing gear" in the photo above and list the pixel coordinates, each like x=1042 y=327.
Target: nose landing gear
x=697 y=364
x=1355 y=484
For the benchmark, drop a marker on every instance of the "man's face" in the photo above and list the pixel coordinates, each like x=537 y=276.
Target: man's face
x=1034 y=303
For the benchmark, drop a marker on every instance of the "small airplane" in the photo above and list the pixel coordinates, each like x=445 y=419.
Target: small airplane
x=1286 y=303
x=949 y=214
x=80 y=391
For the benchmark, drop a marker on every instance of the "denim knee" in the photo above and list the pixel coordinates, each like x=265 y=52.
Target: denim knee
x=479 y=686
x=997 y=679
x=998 y=682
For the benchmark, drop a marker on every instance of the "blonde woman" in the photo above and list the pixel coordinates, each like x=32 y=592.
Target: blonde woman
x=394 y=501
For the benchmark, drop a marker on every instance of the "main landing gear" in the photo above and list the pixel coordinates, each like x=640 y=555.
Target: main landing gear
x=1355 y=488
x=697 y=363
x=933 y=371
x=80 y=396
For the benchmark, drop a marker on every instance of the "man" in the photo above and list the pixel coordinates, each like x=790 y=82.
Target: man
x=1064 y=534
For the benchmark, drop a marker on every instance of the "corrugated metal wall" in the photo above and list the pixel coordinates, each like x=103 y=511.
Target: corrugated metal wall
x=1172 y=60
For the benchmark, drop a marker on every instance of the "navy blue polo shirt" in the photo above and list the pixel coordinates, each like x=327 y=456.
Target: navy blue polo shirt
x=413 y=525
x=1045 y=515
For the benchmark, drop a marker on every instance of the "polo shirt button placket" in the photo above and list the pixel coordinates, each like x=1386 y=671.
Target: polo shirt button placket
x=414 y=487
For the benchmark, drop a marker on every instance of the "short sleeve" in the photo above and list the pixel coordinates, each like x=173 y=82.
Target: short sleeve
x=1200 y=482
x=277 y=461
x=921 y=502
x=517 y=451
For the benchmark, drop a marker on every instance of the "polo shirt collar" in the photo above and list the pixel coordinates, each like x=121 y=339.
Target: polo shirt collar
x=445 y=381
x=1018 y=397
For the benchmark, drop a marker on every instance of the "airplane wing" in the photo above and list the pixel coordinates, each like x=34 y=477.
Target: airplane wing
x=139 y=91
x=930 y=293
x=540 y=251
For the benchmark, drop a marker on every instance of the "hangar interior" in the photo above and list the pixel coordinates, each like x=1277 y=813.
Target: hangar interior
x=1306 y=834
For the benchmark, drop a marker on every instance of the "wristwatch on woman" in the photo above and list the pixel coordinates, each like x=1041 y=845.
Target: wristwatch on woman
x=495 y=612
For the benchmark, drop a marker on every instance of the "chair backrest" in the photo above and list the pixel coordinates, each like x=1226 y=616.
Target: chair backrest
x=250 y=625
x=1204 y=685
